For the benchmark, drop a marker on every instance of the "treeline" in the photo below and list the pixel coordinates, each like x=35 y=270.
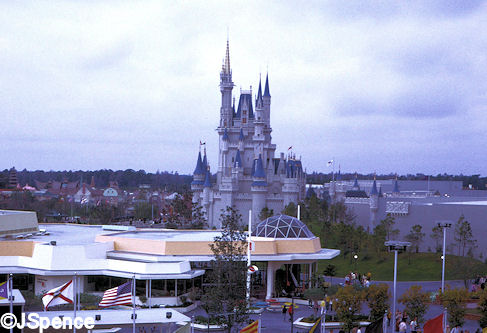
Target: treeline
x=477 y=182
x=126 y=179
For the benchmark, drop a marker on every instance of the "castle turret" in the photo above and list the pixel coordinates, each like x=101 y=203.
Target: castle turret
x=223 y=164
x=259 y=124
x=395 y=191
x=226 y=87
x=198 y=179
x=374 y=206
x=356 y=187
x=258 y=188
x=266 y=98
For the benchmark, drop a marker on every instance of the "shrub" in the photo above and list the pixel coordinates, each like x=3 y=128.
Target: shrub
x=454 y=300
x=416 y=303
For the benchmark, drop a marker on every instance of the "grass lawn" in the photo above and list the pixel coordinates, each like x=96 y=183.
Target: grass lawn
x=420 y=266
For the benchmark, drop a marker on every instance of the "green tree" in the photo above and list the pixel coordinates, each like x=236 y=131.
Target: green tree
x=198 y=220
x=331 y=271
x=348 y=305
x=415 y=236
x=265 y=213
x=463 y=235
x=291 y=209
x=454 y=300
x=226 y=294
x=437 y=236
x=388 y=225
x=415 y=302
x=378 y=300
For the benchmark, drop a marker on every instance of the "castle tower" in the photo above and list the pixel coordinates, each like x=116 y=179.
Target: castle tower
x=259 y=124
x=258 y=189
x=198 y=179
x=205 y=202
x=226 y=87
x=374 y=206
x=267 y=102
x=356 y=187
x=395 y=190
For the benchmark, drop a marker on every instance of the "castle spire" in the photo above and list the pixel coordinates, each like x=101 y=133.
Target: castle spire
x=266 y=89
x=199 y=166
x=374 y=188
x=226 y=65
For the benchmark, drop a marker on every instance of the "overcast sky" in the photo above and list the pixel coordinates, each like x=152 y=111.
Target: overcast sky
x=386 y=86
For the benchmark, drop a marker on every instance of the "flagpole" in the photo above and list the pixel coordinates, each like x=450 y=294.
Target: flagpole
x=75 y=298
x=11 y=298
x=249 y=261
x=133 y=304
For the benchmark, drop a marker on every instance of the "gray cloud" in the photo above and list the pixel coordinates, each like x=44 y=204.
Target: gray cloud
x=386 y=86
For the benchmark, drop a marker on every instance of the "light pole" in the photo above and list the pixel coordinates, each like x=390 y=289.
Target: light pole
x=443 y=225
x=356 y=259
x=395 y=246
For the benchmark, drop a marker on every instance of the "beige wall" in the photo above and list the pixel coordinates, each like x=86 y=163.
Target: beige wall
x=17 y=248
x=262 y=246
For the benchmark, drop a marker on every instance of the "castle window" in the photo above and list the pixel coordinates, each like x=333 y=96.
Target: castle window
x=244 y=120
x=245 y=112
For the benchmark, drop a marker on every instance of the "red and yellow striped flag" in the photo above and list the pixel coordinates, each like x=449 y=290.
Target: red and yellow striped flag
x=252 y=328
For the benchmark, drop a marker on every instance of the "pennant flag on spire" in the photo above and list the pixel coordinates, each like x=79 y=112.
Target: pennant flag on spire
x=60 y=295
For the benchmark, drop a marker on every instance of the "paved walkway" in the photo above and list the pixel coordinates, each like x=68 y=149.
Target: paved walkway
x=274 y=322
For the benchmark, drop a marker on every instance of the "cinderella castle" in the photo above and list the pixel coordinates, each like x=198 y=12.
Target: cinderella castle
x=249 y=175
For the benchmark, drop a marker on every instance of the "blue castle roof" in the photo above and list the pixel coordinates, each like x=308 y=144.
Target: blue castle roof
x=259 y=171
x=266 y=89
x=204 y=163
x=247 y=99
x=199 y=170
x=396 y=187
x=355 y=183
x=238 y=160
x=225 y=135
x=207 y=179
x=374 y=189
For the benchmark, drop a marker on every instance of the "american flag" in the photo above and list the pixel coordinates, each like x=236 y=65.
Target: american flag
x=121 y=295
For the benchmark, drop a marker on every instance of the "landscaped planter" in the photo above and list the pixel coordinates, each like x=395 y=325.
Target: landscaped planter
x=202 y=327
x=330 y=325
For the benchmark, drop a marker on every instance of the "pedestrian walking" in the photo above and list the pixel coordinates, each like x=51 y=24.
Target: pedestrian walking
x=414 y=325
x=284 y=311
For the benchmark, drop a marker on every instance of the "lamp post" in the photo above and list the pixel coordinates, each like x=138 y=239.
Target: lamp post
x=395 y=246
x=444 y=225
x=356 y=259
